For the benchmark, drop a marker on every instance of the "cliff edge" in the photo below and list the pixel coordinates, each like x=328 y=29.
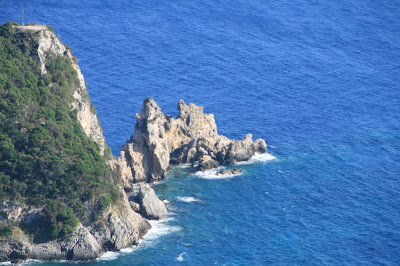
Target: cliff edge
x=63 y=195
x=60 y=200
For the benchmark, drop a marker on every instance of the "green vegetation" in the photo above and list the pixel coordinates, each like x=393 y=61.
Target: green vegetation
x=50 y=28
x=45 y=157
x=58 y=221
x=6 y=231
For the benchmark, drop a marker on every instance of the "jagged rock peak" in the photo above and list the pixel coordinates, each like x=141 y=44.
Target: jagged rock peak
x=150 y=109
x=160 y=140
x=194 y=122
x=184 y=109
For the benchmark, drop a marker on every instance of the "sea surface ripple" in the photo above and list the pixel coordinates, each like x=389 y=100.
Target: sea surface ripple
x=319 y=80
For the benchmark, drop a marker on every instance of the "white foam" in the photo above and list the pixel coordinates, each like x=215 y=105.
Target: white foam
x=282 y=172
x=127 y=250
x=135 y=187
x=213 y=174
x=185 y=165
x=109 y=255
x=157 y=182
x=27 y=262
x=259 y=158
x=158 y=228
x=187 y=199
x=180 y=257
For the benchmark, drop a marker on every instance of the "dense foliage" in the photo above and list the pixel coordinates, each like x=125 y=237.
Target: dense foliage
x=45 y=157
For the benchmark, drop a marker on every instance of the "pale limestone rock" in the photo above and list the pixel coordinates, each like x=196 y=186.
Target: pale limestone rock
x=151 y=206
x=260 y=146
x=160 y=140
x=194 y=123
x=120 y=226
x=84 y=246
x=206 y=162
x=11 y=212
x=239 y=151
x=86 y=115
x=146 y=156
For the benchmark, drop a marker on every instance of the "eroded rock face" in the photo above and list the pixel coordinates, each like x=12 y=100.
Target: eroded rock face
x=150 y=205
x=86 y=115
x=119 y=227
x=160 y=140
x=11 y=212
x=206 y=162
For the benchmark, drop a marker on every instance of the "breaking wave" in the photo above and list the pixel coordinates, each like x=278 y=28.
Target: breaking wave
x=187 y=199
x=158 y=229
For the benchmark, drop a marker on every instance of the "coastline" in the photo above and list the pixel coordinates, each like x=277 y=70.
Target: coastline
x=157 y=142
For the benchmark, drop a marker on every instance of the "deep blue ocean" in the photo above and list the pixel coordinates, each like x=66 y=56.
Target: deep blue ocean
x=318 y=80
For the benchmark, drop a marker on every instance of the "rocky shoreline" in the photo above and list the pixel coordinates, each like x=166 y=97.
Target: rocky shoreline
x=159 y=141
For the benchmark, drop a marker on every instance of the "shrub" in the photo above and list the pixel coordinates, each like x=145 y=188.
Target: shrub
x=45 y=156
x=6 y=231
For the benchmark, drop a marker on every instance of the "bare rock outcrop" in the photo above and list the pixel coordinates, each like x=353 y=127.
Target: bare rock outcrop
x=49 y=42
x=80 y=246
x=233 y=171
x=150 y=205
x=206 y=162
x=119 y=227
x=160 y=140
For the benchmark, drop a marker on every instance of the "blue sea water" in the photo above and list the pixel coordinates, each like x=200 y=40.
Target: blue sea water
x=319 y=80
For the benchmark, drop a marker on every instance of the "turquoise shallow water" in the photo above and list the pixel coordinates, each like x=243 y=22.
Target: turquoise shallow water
x=319 y=81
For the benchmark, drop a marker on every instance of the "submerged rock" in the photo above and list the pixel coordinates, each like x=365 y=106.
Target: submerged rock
x=160 y=140
x=233 y=171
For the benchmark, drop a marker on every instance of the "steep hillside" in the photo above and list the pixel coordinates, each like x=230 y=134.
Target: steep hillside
x=57 y=191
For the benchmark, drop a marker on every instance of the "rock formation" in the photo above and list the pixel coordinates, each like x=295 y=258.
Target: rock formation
x=118 y=227
x=150 y=205
x=160 y=140
x=233 y=171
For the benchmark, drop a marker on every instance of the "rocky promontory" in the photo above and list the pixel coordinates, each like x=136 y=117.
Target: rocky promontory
x=64 y=196
x=42 y=216
x=160 y=140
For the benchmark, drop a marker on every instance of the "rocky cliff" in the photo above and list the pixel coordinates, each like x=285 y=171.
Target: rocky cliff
x=160 y=140
x=118 y=226
x=87 y=117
